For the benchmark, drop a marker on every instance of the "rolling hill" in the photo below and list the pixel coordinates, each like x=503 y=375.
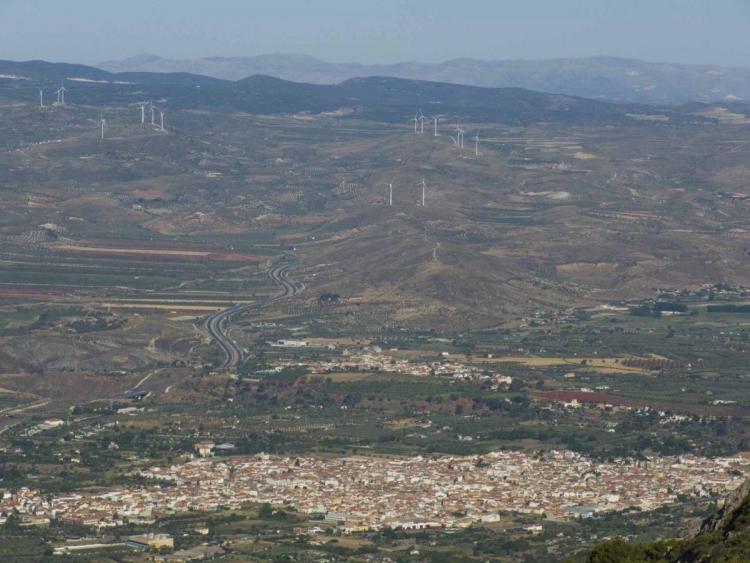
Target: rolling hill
x=571 y=202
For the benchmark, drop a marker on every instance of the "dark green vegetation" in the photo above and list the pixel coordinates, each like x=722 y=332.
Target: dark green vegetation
x=540 y=259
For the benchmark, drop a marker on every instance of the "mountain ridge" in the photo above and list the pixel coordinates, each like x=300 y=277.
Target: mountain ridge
x=600 y=77
x=379 y=97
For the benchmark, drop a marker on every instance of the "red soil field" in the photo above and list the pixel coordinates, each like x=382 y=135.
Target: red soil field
x=150 y=244
x=21 y=294
x=162 y=254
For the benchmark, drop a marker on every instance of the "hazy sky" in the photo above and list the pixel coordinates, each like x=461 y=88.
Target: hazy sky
x=370 y=31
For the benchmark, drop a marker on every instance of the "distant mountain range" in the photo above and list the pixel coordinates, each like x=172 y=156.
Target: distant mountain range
x=381 y=98
x=603 y=78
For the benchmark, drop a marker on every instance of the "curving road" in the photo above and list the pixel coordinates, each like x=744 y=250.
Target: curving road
x=216 y=324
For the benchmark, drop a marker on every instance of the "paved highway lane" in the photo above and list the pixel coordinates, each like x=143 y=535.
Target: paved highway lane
x=217 y=324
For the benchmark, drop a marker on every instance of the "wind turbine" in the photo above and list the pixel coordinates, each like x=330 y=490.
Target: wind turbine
x=152 y=115
x=476 y=144
x=421 y=122
x=423 y=190
x=390 y=194
x=435 y=123
x=415 y=119
x=459 y=137
x=161 y=113
x=143 y=113
x=104 y=124
x=61 y=92
x=41 y=97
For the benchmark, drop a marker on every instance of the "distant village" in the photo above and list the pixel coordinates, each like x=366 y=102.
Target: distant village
x=372 y=359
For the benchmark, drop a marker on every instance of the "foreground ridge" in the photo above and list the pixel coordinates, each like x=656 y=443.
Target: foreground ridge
x=724 y=536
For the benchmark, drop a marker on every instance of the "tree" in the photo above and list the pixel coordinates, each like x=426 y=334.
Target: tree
x=265 y=511
x=621 y=551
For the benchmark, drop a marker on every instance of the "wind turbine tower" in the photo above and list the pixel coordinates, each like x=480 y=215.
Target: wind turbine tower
x=390 y=194
x=161 y=113
x=459 y=137
x=421 y=122
x=104 y=124
x=415 y=119
x=62 y=93
x=143 y=114
x=423 y=190
x=152 y=115
x=476 y=144
x=41 y=98
x=435 y=123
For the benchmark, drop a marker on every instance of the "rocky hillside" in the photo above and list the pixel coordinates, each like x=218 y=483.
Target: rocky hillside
x=724 y=537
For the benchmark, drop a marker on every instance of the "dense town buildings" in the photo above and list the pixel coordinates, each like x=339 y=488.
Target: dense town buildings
x=364 y=493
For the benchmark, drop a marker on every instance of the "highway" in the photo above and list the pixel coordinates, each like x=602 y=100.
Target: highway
x=217 y=324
